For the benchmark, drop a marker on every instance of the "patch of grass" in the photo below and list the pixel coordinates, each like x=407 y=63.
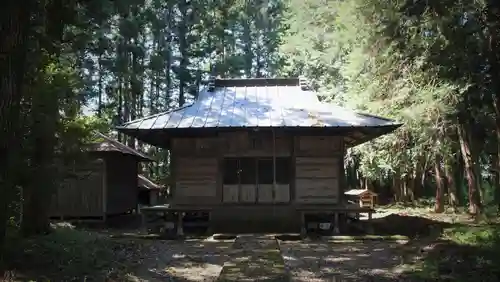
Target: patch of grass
x=484 y=235
x=469 y=253
x=68 y=254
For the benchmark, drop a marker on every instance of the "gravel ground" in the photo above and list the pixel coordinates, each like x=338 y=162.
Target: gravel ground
x=349 y=261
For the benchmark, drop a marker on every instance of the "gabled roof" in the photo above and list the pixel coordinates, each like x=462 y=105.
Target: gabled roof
x=257 y=103
x=359 y=192
x=111 y=145
x=147 y=183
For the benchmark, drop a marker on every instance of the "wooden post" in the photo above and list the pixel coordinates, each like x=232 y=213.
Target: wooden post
x=173 y=171
x=144 y=227
x=336 y=229
x=342 y=180
x=180 y=229
x=209 y=227
x=104 y=191
x=274 y=166
x=303 y=229
x=370 y=225
x=332 y=222
x=292 y=168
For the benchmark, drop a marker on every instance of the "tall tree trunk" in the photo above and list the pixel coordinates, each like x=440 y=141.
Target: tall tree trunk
x=37 y=194
x=15 y=26
x=470 y=172
x=247 y=46
x=396 y=186
x=45 y=116
x=417 y=177
x=168 y=61
x=100 y=86
x=183 y=50
x=439 y=205
x=458 y=174
x=452 y=185
x=493 y=20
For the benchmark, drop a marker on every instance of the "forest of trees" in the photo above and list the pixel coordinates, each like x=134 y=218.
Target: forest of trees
x=70 y=67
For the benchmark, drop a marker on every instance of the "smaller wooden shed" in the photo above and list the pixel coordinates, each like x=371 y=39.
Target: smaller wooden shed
x=105 y=184
x=149 y=191
x=365 y=197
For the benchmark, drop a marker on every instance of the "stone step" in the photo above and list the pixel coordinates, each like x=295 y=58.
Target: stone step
x=255 y=258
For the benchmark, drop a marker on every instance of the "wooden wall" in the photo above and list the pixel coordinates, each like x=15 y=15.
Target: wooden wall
x=197 y=167
x=195 y=170
x=122 y=183
x=316 y=169
x=95 y=188
x=80 y=193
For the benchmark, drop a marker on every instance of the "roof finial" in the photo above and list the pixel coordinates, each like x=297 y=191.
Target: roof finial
x=304 y=83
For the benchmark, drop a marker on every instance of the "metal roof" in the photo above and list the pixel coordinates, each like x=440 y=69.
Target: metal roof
x=358 y=192
x=146 y=183
x=111 y=145
x=240 y=103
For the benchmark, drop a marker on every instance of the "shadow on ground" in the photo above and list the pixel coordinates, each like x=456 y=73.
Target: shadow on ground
x=119 y=253
x=470 y=253
x=411 y=226
x=69 y=254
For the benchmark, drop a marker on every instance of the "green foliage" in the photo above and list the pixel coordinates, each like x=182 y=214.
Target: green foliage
x=421 y=63
x=471 y=252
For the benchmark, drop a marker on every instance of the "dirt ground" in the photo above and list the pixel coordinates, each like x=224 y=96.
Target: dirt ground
x=187 y=260
x=203 y=259
x=348 y=261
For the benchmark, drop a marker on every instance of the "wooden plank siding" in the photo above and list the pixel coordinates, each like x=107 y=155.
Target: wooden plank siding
x=195 y=165
x=316 y=169
x=81 y=193
x=122 y=184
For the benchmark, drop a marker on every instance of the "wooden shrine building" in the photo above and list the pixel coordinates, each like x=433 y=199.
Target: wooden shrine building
x=363 y=197
x=104 y=184
x=258 y=152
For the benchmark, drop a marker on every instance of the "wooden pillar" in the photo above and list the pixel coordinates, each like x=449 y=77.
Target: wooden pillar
x=173 y=170
x=370 y=225
x=303 y=229
x=104 y=190
x=336 y=229
x=144 y=222
x=274 y=165
x=332 y=222
x=293 y=168
x=209 y=227
x=342 y=181
x=179 y=225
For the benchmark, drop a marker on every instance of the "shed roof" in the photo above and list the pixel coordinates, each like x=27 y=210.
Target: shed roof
x=258 y=103
x=146 y=183
x=359 y=192
x=111 y=145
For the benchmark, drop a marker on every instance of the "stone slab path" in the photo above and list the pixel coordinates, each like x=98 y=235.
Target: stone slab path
x=254 y=258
